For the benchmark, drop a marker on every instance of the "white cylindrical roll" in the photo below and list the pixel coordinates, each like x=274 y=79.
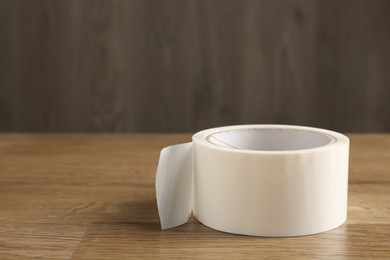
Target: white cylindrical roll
x=262 y=180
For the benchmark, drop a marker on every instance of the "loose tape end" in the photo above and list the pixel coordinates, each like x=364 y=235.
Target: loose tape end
x=174 y=185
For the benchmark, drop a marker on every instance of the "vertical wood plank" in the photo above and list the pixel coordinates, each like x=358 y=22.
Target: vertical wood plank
x=170 y=66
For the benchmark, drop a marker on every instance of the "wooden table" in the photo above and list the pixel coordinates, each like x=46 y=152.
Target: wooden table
x=92 y=196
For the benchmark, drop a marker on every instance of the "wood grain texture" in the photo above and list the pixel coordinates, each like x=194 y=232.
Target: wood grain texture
x=186 y=65
x=92 y=197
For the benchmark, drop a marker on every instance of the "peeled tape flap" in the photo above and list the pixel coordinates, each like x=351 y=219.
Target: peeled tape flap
x=174 y=185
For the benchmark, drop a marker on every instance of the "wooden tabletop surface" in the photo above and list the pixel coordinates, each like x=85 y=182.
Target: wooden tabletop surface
x=92 y=196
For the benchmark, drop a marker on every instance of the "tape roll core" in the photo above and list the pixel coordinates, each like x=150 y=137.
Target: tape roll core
x=270 y=139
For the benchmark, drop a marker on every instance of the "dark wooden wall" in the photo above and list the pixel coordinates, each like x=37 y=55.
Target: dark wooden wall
x=152 y=66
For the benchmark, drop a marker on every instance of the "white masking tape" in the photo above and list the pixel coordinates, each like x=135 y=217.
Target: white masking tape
x=261 y=180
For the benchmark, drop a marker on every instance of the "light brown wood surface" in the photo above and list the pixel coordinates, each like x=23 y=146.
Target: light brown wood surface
x=86 y=196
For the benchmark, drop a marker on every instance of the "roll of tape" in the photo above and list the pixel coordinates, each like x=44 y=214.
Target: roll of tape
x=261 y=180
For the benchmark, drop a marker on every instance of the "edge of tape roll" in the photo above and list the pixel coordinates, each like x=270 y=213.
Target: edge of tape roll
x=260 y=180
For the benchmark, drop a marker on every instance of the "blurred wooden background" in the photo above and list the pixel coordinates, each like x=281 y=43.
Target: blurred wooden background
x=174 y=66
